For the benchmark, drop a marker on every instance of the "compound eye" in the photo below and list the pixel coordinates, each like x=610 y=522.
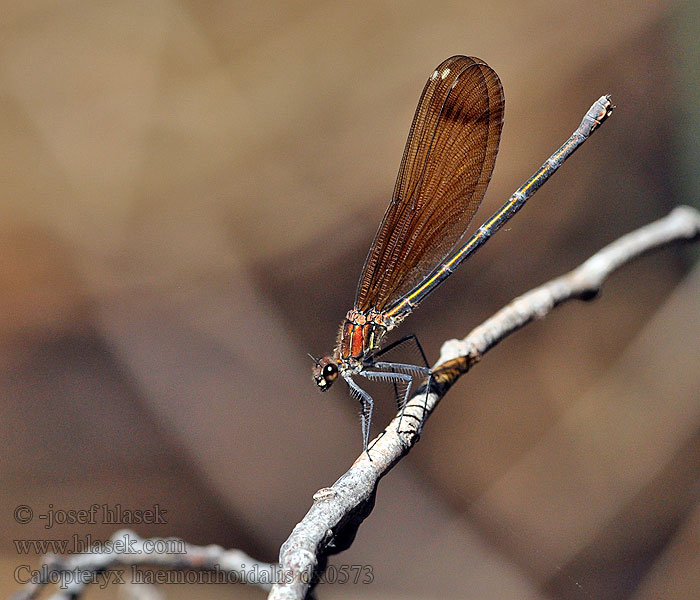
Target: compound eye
x=330 y=371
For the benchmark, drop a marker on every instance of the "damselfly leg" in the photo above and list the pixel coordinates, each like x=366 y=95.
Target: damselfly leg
x=401 y=375
x=410 y=341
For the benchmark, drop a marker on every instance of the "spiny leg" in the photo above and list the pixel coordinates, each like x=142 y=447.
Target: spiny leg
x=405 y=378
x=404 y=341
x=412 y=371
x=425 y=402
x=367 y=404
x=393 y=377
x=366 y=425
x=401 y=381
x=410 y=340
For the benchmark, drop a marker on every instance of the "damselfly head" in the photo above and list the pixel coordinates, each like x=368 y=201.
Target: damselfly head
x=325 y=372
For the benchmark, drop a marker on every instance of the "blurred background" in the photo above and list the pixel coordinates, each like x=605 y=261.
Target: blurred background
x=189 y=191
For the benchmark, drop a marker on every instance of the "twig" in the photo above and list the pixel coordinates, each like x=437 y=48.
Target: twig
x=332 y=521
x=338 y=511
x=213 y=564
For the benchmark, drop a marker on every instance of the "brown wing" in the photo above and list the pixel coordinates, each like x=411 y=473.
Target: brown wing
x=446 y=166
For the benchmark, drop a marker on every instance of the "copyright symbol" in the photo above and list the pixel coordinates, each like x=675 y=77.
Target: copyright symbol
x=23 y=514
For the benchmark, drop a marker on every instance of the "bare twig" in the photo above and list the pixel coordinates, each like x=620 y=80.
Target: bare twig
x=116 y=562
x=330 y=525
x=332 y=521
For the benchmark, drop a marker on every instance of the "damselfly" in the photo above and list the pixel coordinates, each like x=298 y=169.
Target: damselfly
x=444 y=172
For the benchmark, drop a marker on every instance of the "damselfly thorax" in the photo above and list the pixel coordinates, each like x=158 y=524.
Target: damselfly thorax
x=359 y=339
